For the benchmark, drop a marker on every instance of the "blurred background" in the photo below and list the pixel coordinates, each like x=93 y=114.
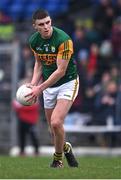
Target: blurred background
x=93 y=124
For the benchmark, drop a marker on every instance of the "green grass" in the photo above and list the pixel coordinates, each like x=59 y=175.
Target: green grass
x=38 y=168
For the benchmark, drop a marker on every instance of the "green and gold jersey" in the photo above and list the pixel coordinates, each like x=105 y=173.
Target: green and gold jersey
x=59 y=46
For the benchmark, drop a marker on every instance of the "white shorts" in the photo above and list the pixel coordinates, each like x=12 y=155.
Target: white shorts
x=67 y=91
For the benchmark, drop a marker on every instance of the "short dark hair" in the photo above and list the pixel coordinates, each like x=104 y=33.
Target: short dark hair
x=40 y=14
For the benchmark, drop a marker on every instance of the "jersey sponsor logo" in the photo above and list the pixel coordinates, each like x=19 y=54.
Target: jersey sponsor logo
x=48 y=58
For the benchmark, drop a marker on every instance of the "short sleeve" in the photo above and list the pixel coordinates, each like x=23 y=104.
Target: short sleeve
x=65 y=50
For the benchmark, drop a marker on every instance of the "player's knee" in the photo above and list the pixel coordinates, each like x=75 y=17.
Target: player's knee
x=55 y=125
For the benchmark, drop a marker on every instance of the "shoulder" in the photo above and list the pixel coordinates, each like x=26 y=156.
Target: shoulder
x=64 y=40
x=33 y=39
x=61 y=35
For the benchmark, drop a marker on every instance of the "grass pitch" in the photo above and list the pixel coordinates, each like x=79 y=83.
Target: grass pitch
x=38 y=168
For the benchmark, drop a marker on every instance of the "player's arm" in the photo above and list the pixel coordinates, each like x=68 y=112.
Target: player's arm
x=37 y=71
x=56 y=75
x=64 y=55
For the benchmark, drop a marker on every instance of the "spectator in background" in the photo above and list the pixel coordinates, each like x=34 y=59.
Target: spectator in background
x=91 y=78
x=104 y=15
x=105 y=103
x=81 y=57
x=7 y=28
x=118 y=8
x=82 y=71
x=94 y=88
x=105 y=79
x=80 y=41
x=28 y=117
x=115 y=74
x=65 y=22
x=4 y=19
x=116 y=39
x=118 y=107
x=106 y=114
x=105 y=59
x=93 y=58
x=26 y=62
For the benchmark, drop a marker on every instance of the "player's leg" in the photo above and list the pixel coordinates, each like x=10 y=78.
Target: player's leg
x=57 y=102
x=57 y=119
x=57 y=162
x=49 y=95
x=69 y=91
x=48 y=113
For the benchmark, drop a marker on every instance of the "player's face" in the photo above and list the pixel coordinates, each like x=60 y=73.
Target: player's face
x=43 y=26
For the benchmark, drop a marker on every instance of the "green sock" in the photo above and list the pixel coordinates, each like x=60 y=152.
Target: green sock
x=58 y=156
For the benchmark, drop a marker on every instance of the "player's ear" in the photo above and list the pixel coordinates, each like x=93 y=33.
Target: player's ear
x=34 y=25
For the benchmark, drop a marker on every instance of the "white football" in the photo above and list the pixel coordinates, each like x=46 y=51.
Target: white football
x=21 y=93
